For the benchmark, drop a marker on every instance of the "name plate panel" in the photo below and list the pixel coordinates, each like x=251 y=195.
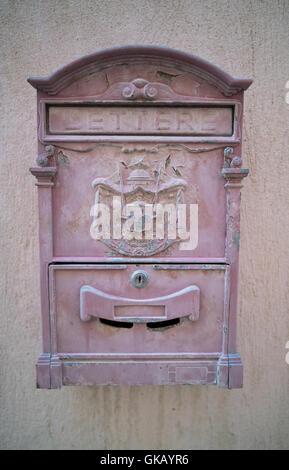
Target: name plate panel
x=140 y=120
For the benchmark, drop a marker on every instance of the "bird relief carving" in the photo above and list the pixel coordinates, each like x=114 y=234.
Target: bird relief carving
x=139 y=210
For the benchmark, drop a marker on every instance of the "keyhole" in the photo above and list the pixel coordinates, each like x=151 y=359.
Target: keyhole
x=139 y=279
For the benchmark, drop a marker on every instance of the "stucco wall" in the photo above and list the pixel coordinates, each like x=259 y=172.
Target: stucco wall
x=245 y=38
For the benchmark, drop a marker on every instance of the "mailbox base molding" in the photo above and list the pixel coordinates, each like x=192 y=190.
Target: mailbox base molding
x=223 y=371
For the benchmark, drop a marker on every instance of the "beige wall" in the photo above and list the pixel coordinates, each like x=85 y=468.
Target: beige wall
x=245 y=38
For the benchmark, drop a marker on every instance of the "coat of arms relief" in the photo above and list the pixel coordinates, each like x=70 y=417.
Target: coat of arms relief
x=138 y=190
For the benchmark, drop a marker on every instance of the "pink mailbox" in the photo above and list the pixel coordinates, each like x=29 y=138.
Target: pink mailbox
x=139 y=176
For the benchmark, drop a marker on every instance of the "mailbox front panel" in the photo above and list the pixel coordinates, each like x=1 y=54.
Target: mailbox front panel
x=139 y=176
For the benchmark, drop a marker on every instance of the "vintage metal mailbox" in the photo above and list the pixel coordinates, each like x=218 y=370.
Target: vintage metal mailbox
x=139 y=177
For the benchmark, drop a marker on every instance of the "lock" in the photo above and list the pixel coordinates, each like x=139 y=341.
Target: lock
x=139 y=279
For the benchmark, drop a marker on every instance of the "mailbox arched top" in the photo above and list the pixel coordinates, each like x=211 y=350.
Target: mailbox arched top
x=88 y=64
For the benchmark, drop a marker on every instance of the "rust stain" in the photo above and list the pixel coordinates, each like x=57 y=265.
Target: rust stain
x=74 y=224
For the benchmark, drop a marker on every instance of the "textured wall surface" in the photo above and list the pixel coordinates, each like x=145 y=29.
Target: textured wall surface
x=245 y=38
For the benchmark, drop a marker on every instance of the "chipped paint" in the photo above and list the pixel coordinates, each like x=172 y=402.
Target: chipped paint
x=236 y=239
x=165 y=75
x=63 y=160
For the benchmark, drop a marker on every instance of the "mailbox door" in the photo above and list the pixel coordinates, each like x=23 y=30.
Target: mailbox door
x=99 y=313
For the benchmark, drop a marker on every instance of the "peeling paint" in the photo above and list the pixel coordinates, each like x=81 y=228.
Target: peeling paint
x=236 y=239
x=165 y=75
x=63 y=160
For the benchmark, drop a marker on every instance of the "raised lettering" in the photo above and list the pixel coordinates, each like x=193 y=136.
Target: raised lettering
x=140 y=120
